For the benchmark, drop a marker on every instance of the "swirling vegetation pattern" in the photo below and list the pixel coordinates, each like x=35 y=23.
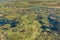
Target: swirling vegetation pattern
x=29 y=20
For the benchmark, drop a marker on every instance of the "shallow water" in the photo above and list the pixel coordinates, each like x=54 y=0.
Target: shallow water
x=5 y=21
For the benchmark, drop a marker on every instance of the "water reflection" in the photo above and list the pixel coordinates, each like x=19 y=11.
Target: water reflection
x=13 y=23
x=53 y=24
x=4 y=21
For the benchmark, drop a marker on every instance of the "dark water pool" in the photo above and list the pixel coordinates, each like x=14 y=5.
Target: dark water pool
x=51 y=21
x=5 y=21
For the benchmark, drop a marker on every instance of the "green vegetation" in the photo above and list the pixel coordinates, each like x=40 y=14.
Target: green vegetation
x=28 y=15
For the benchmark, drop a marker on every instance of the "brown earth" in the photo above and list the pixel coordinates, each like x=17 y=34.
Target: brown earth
x=49 y=4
